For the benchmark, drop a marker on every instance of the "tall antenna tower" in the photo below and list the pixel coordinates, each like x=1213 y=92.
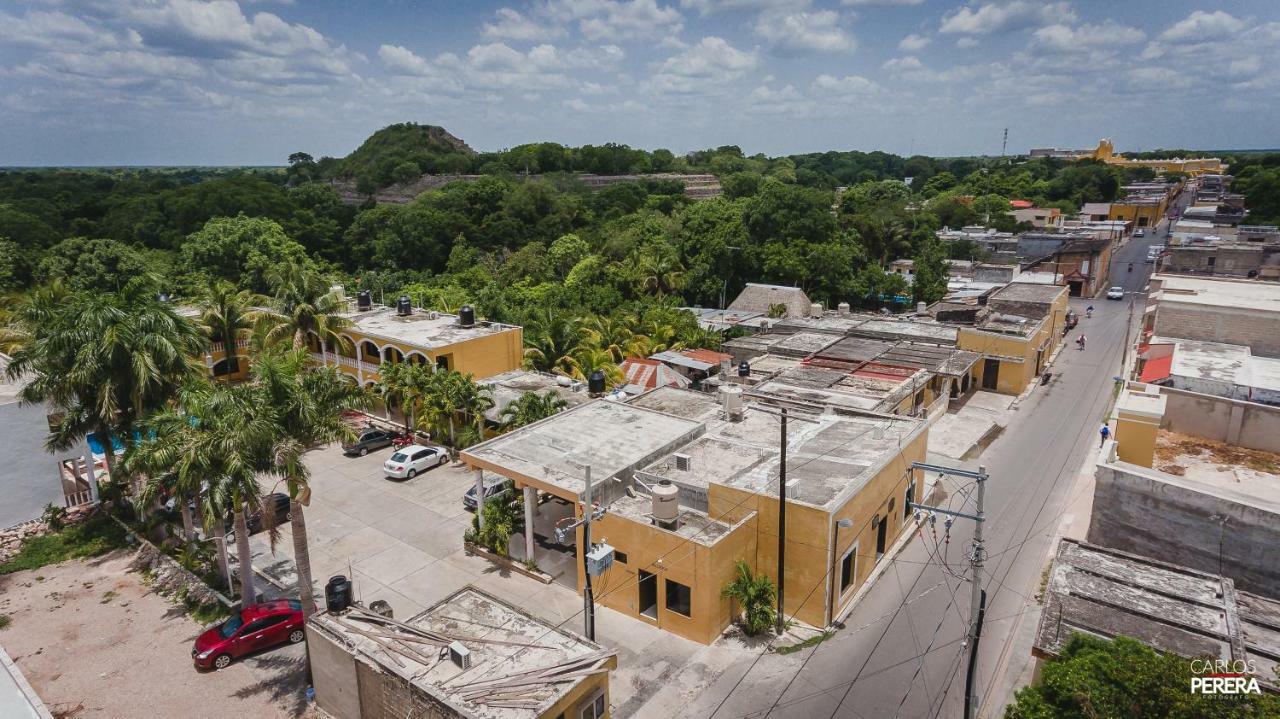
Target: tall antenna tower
x=1004 y=145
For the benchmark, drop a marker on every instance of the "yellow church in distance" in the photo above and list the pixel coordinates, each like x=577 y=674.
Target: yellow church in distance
x=1106 y=152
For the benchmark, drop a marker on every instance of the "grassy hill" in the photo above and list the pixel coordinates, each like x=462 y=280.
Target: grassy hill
x=400 y=153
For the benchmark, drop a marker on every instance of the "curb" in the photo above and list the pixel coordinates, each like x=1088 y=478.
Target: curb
x=33 y=699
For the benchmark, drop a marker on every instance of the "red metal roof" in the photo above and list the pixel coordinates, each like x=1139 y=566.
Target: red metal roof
x=1021 y=204
x=709 y=356
x=1157 y=368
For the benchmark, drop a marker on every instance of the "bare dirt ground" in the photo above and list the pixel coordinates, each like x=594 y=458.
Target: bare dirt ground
x=94 y=641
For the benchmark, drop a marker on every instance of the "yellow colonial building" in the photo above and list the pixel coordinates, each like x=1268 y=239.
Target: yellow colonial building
x=1016 y=337
x=1106 y=152
x=688 y=484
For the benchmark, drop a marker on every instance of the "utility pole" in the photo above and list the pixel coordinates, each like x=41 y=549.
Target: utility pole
x=782 y=520
x=589 y=515
x=588 y=600
x=1004 y=145
x=977 y=558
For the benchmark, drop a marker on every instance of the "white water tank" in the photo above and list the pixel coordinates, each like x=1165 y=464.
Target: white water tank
x=842 y=309
x=815 y=310
x=922 y=308
x=666 y=504
x=731 y=398
x=338 y=290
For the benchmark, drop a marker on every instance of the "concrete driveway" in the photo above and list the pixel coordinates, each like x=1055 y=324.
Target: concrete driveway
x=401 y=541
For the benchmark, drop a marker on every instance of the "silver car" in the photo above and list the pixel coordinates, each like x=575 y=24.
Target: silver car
x=409 y=462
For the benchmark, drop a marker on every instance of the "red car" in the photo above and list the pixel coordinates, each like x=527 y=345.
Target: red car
x=256 y=627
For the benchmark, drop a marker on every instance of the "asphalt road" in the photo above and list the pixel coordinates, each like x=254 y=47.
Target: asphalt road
x=901 y=653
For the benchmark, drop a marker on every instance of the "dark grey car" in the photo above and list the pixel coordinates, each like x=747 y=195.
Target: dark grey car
x=369 y=440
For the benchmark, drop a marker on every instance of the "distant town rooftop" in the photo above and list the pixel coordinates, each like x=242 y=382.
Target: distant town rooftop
x=422 y=329
x=1218 y=292
x=504 y=641
x=1108 y=593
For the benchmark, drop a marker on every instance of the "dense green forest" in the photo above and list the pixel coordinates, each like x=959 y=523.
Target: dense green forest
x=518 y=247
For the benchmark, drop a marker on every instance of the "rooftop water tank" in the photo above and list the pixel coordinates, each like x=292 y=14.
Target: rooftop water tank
x=922 y=308
x=364 y=300
x=842 y=309
x=404 y=306
x=666 y=504
x=731 y=398
x=467 y=316
x=815 y=310
x=595 y=382
x=744 y=369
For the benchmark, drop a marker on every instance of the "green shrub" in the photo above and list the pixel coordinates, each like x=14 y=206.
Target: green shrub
x=96 y=536
x=755 y=593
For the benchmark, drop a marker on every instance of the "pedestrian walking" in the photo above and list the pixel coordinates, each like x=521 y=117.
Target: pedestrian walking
x=1105 y=433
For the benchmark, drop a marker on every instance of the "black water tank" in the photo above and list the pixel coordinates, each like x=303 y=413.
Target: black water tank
x=595 y=382
x=337 y=593
x=404 y=306
x=466 y=316
x=364 y=300
x=744 y=370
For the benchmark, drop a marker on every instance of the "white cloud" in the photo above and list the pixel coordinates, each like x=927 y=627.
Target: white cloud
x=847 y=85
x=402 y=59
x=513 y=25
x=709 y=7
x=967 y=43
x=804 y=31
x=906 y=64
x=1107 y=35
x=900 y=3
x=913 y=43
x=991 y=17
x=706 y=66
x=1201 y=26
x=616 y=20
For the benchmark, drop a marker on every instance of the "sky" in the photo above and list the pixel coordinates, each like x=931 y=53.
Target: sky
x=225 y=82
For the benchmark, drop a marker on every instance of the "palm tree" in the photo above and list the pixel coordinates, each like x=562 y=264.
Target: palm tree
x=309 y=404
x=658 y=270
x=609 y=333
x=754 y=593
x=405 y=384
x=301 y=304
x=531 y=407
x=225 y=313
x=550 y=339
x=589 y=359
x=103 y=361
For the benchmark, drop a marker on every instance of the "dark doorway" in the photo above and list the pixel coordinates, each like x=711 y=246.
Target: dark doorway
x=990 y=373
x=648 y=595
x=1075 y=287
x=882 y=533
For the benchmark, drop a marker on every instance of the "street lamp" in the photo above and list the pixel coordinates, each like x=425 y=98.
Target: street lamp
x=835 y=542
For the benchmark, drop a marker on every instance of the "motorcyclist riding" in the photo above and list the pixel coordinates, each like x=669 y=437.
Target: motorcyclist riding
x=1088 y=311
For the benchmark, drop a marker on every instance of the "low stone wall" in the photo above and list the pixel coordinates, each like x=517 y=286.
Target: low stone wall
x=1157 y=515
x=170 y=578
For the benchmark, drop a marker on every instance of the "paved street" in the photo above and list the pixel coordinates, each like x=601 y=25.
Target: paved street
x=902 y=651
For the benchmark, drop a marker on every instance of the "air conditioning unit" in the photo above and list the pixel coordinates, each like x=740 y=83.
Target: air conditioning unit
x=460 y=655
x=683 y=462
x=793 y=489
x=599 y=559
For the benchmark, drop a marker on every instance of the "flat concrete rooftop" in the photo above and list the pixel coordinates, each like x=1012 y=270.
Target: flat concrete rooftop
x=420 y=329
x=690 y=523
x=921 y=331
x=611 y=437
x=507 y=387
x=1218 y=292
x=470 y=612
x=1019 y=291
x=1244 y=475
x=828 y=459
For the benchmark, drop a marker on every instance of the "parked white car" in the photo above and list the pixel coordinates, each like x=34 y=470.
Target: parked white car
x=1139 y=232
x=1115 y=293
x=408 y=462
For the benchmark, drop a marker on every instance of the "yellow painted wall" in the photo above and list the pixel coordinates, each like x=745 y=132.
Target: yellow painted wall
x=482 y=356
x=1139 y=215
x=667 y=555
x=1136 y=438
x=1014 y=376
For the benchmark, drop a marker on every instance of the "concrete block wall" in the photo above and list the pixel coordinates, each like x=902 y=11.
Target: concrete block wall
x=1147 y=512
x=1244 y=424
x=1259 y=331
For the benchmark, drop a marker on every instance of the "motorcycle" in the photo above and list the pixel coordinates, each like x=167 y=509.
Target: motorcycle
x=1131 y=267
x=402 y=440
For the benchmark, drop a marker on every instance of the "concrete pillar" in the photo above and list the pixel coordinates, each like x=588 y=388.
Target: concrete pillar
x=530 y=505
x=480 y=498
x=1235 y=423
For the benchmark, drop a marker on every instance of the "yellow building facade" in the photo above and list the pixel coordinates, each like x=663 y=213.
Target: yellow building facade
x=1105 y=152
x=1016 y=348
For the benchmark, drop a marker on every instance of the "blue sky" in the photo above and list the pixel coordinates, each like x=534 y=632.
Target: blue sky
x=248 y=82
